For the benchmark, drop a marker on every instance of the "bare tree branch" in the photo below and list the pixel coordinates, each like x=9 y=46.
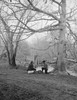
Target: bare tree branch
x=39 y=10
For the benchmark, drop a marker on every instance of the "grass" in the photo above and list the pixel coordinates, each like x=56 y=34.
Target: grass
x=17 y=84
x=14 y=92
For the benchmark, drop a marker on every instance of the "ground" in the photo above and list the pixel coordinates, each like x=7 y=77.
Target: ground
x=17 y=84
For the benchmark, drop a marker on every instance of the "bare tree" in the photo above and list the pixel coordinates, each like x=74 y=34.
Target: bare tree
x=29 y=14
x=58 y=21
x=12 y=29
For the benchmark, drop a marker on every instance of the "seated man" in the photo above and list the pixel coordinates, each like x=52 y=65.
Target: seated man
x=45 y=67
x=31 y=67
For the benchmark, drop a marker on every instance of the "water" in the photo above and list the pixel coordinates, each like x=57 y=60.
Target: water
x=73 y=73
x=40 y=68
x=49 y=68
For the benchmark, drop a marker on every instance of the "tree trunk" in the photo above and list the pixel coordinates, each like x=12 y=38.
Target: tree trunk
x=60 y=60
x=11 y=58
x=61 y=45
x=13 y=62
x=35 y=60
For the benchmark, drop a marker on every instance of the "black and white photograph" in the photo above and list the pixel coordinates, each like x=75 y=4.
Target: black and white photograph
x=38 y=49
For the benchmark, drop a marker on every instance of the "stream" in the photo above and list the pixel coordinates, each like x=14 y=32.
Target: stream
x=50 y=69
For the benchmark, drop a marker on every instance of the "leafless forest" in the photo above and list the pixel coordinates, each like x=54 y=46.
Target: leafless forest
x=38 y=31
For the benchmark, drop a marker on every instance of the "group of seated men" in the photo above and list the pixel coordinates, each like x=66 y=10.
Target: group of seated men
x=44 y=67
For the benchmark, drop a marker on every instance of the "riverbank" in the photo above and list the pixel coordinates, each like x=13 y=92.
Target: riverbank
x=16 y=84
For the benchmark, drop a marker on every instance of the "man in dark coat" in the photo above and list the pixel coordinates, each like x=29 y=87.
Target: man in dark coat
x=31 y=67
x=45 y=67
